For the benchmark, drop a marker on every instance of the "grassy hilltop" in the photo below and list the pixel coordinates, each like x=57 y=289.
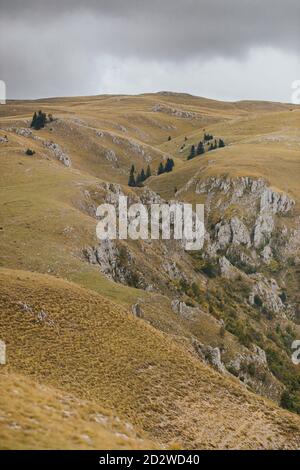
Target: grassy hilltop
x=82 y=370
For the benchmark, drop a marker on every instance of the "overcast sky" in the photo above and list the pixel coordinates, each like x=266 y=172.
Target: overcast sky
x=224 y=49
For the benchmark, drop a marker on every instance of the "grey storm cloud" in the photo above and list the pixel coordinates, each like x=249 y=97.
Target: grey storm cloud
x=55 y=45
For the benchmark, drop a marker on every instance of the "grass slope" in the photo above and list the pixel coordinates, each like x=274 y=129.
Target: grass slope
x=77 y=341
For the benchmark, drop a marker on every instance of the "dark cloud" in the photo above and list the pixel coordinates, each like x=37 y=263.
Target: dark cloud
x=52 y=47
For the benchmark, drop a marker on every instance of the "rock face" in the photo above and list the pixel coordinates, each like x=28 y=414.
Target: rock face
x=263 y=229
x=137 y=310
x=111 y=156
x=251 y=231
x=276 y=203
x=58 y=152
x=268 y=293
x=251 y=367
x=161 y=108
x=227 y=270
x=234 y=232
x=3 y=140
x=106 y=255
x=185 y=311
x=211 y=356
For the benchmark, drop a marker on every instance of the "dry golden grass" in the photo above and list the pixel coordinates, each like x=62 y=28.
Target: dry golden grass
x=89 y=347
x=77 y=341
x=35 y=416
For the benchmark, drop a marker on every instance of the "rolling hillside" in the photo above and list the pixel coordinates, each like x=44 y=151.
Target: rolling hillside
x=208 y=363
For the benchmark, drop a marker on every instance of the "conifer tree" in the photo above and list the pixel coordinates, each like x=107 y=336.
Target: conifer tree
x=200 y=148
x=142 y=175
x=192 y=153
x=33 y=120
x=160 y=169
x=131 y=180
x=148 y=172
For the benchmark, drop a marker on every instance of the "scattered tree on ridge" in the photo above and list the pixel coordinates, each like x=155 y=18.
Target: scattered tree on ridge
x=200 y=148
x=131 y=180
x=148 y=172
x=192 y=153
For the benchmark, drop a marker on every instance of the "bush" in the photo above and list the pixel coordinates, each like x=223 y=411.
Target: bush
x=257 y=300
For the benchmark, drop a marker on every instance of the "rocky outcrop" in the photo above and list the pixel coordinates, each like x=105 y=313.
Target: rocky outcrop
x=137 y=310
x=58 y=152
x=234 y=231
x=3 y=140
x=251 y=368
x=266 y=293
x=185 y=311
x=263 y=229
x=111 y=156
x=161 y=108
x=210 y=355
x=276 y=203
x=227 y=270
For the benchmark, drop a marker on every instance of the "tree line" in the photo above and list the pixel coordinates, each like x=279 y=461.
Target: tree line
x=137 y=179
x=39 y=120
x=200 y=148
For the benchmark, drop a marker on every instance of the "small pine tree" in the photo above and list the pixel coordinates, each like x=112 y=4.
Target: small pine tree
x=211 y=147
x=168 y=166
x=33 y=121
x=148 y=172
x=160 y=169
x=221 y=143
x=131 y=180
x=169 y=138
x=143 y=175
x=200 y=148
x=40 y=121
x=208 y=137
x=139 y=180
x=192 y=153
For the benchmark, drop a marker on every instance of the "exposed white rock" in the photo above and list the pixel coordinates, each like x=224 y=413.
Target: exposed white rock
x=263 y=229
x=184 y=310
x=267 y=254
x=223 y=234
x=210 y=355
x=137 y=310
x=269 y=293
x=240 y=234
x=111 y=156
x=227 y=270
x=58 y=152
x=161 y=108
x=3 y=140
x=276 y=203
